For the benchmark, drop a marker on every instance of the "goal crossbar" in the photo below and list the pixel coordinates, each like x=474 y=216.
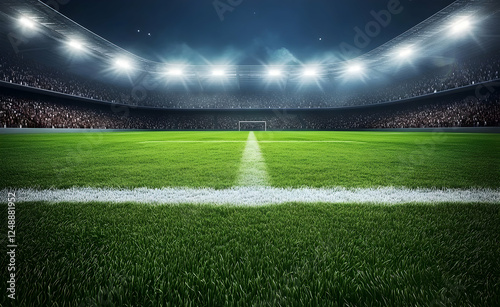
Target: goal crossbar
x=252 y=121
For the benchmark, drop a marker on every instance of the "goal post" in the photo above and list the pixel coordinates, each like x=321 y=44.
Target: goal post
x=252 y=124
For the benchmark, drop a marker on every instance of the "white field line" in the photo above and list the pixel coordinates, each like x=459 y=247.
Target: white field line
x=255 y=196
x=144 y=142
x=253 y=171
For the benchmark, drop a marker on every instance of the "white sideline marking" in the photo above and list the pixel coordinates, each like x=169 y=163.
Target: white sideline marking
x=255 y=196
x=253 y=172
x=246 y=141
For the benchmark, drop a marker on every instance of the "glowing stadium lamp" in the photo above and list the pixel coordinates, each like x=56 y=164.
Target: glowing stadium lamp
x=175 y=72
x=218 y=73
x=405 y=53
x=123 y=64
x=75 y=45
x=274 y=73
x=27 y=23
x=460 y=26
x=355 y=69
x=310 y=72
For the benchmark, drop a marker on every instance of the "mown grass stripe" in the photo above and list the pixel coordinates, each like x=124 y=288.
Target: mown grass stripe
x=253 y=170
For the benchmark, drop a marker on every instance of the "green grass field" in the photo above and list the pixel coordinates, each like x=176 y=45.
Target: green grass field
x=293 y=254
x=139 y=255
x=369 y=159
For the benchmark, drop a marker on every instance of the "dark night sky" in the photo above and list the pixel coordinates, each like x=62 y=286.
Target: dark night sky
x=256 y=31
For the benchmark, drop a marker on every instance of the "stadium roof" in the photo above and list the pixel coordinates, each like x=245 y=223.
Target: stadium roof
x=430 y=38
x=431 y=32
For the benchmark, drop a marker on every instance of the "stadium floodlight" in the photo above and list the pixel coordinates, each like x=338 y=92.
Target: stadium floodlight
x=75 y=45
x=460 y=26
x=310 y=72
x=27 y=23
x=218 y=73
x=405 y=53
x=274 y=73
x=355 y=69
x=175 y=72
x=123 y=64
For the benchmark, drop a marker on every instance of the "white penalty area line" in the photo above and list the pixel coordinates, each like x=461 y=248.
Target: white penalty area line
x=256 y=196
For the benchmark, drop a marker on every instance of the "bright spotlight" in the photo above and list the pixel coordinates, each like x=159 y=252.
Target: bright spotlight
x=76 y=45
x=123 y=64
x=405 y=53
x=355 y=69
x=175 y=72
x=27 y=23
x=460 y=26
x=274 y=73
x=310 y=72
x=218 y=73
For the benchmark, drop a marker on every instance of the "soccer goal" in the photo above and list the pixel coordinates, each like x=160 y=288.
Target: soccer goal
x=252 y=125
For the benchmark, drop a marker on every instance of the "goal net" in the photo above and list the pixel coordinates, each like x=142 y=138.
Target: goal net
x=249 y=125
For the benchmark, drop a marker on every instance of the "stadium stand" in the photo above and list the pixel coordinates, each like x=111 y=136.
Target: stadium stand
x=40 y=86
x=19 y=109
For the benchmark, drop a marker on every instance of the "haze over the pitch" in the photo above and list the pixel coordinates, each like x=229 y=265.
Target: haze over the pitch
x=255 y=31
